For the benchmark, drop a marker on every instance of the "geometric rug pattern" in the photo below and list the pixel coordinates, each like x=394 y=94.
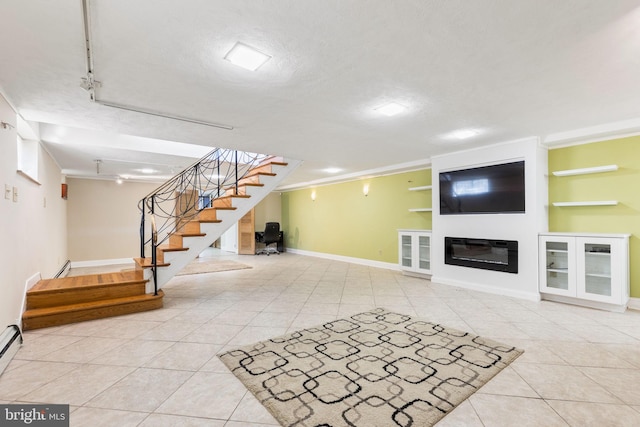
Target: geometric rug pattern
x=376 y=368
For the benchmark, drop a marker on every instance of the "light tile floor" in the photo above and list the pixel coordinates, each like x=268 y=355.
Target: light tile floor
x=581 y=366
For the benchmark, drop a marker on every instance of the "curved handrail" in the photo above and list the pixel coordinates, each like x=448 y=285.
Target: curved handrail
x=179 y=200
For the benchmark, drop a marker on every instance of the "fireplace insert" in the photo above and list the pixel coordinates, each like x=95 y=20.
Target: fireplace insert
x=487 y=254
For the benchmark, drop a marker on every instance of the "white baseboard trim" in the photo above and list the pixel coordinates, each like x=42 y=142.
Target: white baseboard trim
x=352 y=260
x=530 y=296
x=585 y=303
x=634 y=303
x=101 y=262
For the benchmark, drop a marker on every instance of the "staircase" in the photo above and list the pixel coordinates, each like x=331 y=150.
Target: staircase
x=179 y=229
x=55 y=302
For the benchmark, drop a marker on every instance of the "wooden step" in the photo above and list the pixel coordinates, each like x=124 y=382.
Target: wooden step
x=254 y=177
x=267 y=166
x=208 y=214
x=81 y=289
x=242 y=188
x=192 y=226
x=72 y=313
x=146 y=263
x=272 y=159
x=211 y=214
x=161 y=250
x=177 y=239
x=227 y=201
x=172 y=249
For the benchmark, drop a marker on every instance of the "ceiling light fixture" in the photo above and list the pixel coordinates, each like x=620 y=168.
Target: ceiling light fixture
x=147 y=170
x=246 y=57
x=463 y=134
x=391 y=109
x=332 y=170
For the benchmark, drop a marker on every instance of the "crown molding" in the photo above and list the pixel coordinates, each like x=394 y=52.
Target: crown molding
x=365 y=174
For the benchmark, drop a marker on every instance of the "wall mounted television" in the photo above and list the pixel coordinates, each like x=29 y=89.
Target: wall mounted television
x=483 y=190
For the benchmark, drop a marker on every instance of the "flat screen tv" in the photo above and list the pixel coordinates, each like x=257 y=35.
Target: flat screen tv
x=483 y=190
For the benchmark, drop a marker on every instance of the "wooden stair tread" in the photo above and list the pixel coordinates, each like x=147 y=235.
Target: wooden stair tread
x=89 y=280
x=246 y=184
x=172 y=248
x=221 y=208
x=210 y=221
x=38 y=312
x=184 y=234
x=146 y=263
x=231 y=196
x=250 y=174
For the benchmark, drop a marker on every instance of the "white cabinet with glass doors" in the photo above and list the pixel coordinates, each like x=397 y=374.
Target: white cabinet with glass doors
x=585 y=267
x=414 y=253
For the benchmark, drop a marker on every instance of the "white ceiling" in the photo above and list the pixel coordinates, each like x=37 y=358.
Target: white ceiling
x=507 y=68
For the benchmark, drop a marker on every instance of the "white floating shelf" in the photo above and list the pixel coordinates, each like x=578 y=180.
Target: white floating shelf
x=420 y=210
x=584 y=171
x=593 y=203
x=424 y=187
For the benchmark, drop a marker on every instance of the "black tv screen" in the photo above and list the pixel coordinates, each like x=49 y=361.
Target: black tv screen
x=483 y=190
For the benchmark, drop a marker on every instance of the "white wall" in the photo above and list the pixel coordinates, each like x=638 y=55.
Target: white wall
x=521 y=227
x=103 y=219
x=33 y=229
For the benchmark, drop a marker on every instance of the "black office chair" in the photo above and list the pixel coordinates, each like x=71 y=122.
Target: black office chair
x=271 y=236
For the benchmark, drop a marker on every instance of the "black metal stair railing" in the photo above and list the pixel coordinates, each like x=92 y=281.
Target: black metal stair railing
x=179 y=200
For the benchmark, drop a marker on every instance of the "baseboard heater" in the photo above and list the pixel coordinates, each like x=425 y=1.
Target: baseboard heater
x=10 y=341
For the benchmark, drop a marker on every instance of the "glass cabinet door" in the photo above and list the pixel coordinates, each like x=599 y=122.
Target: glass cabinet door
x=557 y=266
x=597 y=274
x=424 y=252
x=406 y=257
x=596 y=269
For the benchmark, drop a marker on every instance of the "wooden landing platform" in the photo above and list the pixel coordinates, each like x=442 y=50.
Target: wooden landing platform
x=55 y=302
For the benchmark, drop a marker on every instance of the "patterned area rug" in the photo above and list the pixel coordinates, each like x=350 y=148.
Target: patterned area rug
x=211 y=265
x=377 y=368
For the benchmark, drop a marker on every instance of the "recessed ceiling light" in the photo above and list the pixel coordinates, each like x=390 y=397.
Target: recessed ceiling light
x=146 y=170
x=332 y=170
x=463 y=134
x=246 y=57
x=391 y=109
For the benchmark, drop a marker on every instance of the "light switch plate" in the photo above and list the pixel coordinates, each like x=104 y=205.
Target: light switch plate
x=15 y=194
x=7 y=191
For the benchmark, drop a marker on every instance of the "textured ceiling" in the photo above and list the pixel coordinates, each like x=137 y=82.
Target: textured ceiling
x=508 y=69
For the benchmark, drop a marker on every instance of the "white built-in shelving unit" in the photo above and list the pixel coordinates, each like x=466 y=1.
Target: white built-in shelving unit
x=585 y=203
x=586 y=171
x=590 y=269
x=415 y=252
x=421 y=188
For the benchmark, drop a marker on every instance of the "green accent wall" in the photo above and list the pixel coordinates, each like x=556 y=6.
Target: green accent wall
x=343 y=221
x=622 y=185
